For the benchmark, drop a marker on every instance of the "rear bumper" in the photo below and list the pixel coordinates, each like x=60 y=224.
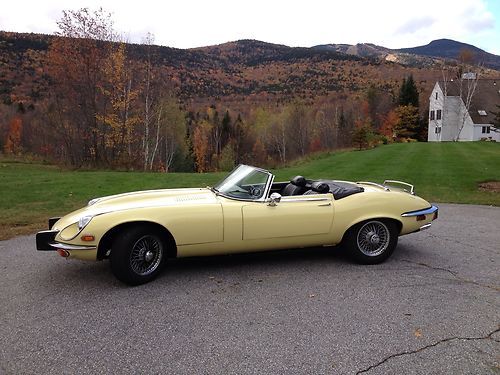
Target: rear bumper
x=428 y=211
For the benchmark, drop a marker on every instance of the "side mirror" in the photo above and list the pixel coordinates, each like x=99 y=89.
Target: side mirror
x=274 y=199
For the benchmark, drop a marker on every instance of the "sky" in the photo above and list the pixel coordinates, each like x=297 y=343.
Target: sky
x=196 y=23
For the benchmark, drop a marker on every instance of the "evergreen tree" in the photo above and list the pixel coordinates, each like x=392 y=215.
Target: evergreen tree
x=408 y=93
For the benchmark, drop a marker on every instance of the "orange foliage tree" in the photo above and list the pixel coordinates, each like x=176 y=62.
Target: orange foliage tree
x=13 y=141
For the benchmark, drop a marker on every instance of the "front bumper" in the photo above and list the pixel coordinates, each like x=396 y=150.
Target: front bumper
x=45 y=241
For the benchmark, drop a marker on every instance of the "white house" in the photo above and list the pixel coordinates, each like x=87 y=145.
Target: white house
x=448 y=113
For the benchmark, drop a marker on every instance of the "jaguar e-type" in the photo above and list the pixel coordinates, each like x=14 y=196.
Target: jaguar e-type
x=247 y=211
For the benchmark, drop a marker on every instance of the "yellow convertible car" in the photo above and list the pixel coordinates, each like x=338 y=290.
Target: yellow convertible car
x=247 y=211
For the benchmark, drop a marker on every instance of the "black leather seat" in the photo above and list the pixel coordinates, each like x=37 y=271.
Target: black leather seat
x=318 y=187
x=297 y=186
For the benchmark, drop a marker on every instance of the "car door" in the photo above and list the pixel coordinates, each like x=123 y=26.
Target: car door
x=291 y=217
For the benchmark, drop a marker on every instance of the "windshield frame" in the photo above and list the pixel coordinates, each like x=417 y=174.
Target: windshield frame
x=262 y=198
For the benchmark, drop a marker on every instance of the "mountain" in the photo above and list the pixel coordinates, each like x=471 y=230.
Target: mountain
x=239 y=74
x=451 y=49
x=417 y=56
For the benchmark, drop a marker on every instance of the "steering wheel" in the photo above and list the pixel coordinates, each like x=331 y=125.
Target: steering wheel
x=255 y=192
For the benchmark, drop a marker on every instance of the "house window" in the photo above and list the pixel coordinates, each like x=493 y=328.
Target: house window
x=486 y=130
x=438 y=114
x=436 y=95
x=437 y=130
x=432 y=115
x=482 y=112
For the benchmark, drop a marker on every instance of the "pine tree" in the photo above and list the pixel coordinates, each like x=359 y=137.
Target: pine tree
x=408 y=93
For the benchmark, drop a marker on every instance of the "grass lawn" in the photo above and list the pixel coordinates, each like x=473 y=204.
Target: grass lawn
x=441 y=172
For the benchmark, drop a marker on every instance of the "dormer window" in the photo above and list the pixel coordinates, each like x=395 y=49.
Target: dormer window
x=482 y=112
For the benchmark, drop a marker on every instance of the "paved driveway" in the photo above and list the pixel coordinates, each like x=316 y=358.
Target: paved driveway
x=434 y=307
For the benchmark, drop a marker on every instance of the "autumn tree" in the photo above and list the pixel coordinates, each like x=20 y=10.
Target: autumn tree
x=201 y=145
x=362 y=134
x=76 y=65
x=389 y=124
x=120 y=118
x=13 y=142
x=408 y=122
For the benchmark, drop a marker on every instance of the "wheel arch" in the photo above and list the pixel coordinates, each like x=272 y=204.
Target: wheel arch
x=399 y=224
x=107 y=240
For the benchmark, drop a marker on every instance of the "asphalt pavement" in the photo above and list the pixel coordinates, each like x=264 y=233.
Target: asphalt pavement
x=432 y=308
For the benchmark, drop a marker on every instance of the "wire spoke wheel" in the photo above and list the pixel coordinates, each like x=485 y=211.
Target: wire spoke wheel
x=373 y=238
x=146 y=255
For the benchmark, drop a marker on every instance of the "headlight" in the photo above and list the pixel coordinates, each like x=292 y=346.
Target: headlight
x=92 y=201
x=83 y=221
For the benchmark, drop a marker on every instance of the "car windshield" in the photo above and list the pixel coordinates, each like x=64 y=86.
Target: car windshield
x=244 y=182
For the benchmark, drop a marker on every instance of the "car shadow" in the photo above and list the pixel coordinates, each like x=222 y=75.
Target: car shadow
x=258 y=260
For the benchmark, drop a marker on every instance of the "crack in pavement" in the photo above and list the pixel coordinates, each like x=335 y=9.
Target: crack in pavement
x=448 y=339
x=473 y=246
x=454 y=274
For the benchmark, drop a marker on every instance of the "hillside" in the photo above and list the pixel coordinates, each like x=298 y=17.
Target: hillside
x=241 y=73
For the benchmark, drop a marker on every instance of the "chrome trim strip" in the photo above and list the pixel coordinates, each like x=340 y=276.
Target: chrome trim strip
x=374 y=184
x=425 y=211
x=64 y=246
x=301 y=198
x=412 y=188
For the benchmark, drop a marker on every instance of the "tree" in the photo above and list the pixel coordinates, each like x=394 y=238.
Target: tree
x=389 y=124
x=362 y=135
x=408 y=93
x=76 y=67
x=496 y=120
x=408 y=122
x=467 y=80
x=201 y=139
x=13 y=141
x=121 y=120
x=171 y=122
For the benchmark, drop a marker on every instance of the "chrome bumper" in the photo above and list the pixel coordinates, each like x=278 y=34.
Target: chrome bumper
x=45 y=241
x=431 y=210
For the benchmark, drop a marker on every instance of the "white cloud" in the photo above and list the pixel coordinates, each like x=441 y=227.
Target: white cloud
x=192 y=23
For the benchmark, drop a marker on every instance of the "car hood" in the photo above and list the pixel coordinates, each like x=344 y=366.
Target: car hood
x=140 y=199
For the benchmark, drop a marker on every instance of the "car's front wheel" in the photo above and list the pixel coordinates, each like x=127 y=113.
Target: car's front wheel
x=372 y=241
x=137 y=255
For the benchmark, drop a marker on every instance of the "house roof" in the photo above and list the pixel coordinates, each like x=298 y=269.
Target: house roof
x=486 y=98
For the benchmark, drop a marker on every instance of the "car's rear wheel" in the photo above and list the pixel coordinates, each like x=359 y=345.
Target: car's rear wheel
x=137 y=255
x=372 y=241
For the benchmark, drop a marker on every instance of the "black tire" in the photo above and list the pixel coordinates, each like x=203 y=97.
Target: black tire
x=372 y=241
x=137 y=255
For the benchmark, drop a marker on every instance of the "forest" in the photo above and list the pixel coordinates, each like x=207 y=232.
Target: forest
x=96 y=102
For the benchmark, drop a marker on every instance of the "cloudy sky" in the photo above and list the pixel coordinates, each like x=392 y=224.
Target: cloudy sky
x=194 y=23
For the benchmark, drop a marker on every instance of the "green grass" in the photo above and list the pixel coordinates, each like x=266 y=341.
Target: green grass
x=446 y=172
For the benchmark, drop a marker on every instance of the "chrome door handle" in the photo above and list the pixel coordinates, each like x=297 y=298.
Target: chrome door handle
x=325 y=204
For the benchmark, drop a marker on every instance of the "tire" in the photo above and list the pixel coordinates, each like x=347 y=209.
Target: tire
x=372 y=241
x=137 y=255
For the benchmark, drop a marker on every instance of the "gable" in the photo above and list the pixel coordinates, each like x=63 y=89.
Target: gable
x=484 y=101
